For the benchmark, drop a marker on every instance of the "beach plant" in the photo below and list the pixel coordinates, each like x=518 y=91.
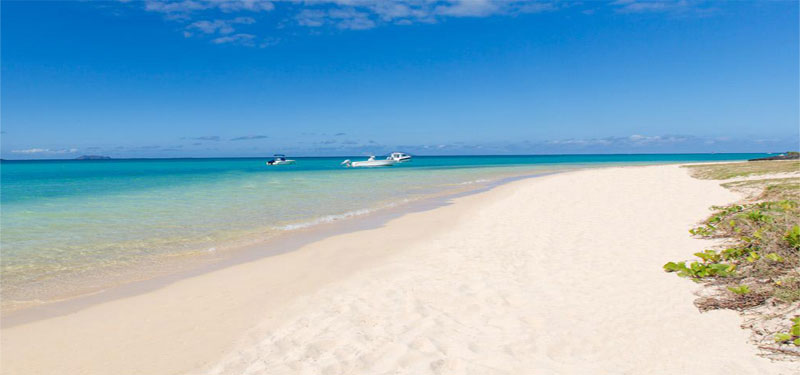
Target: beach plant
x=740 y=290
x=787 y=289
x=700 y=270
x=791 y=337
x=792 y=237
x=734 y=253
x=758 y=263
x=705 y=231
x=725 y=171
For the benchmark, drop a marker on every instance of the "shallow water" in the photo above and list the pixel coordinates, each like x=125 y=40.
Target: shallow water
x=90 y=220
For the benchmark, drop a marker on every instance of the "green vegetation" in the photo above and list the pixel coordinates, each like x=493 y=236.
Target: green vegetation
x=793 y=336
x=765 y=240
x=769 y=189
x=731 y=170
x=760 y=262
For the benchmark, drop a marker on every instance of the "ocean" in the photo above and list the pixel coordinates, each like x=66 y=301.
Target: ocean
x=70 y=227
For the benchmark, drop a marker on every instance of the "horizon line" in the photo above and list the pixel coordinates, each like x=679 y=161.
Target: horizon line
x=417 y=155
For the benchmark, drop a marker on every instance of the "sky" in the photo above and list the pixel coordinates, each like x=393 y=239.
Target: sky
x=220 y=78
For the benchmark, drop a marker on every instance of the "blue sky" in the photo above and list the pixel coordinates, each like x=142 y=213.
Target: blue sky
x=195 y=78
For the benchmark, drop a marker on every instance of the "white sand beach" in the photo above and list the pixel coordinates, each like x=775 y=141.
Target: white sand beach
x=552 y=275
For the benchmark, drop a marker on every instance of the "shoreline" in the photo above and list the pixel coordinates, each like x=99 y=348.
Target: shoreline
x=288 y=241
x=246 y=250
x=570 y=283
x=52 y=293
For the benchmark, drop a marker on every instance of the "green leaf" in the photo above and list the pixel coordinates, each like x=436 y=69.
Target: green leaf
x=781 y=337
x=740 y=290
x=674 y=267
x=774 y=257
x=793 y=237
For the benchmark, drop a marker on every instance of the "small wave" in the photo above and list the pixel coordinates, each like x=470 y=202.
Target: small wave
x=478 y=181
x=336 y=217
x=325 y=219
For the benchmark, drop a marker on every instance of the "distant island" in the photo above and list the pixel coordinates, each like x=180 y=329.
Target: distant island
x=93 y=157
x=791 y=155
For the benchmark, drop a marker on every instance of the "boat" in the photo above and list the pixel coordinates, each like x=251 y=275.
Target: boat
x=280 y=159
x=400 y=157
x=371 y=162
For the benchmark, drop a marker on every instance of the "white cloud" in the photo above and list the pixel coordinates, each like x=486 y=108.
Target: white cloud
x=632 y=140
x=349 y=18
x=182 y=8
x=243 y=39
x=470 y=8
x=219 y=26
x=365 y=14
x=311 y=18
x=45 y=151
x=343 y=18
x=657 y=6
x=31 y=151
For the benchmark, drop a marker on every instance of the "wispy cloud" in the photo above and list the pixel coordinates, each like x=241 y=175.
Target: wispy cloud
x=220 y=20
x=632 y=140
x=336 y=146
x=184 y=8
x=249 y=137
x=217 y=26
x=470 y=8
x=343 y=18
x=658 y=6
x=367 y=14
x=204 y=138
x=207 y=17
x=636 y=143
x=45 y=151
x=242 y=39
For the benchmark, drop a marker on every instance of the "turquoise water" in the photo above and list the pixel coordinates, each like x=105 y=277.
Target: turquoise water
x=68 y=225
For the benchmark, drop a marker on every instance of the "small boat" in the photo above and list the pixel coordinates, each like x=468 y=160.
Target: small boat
x=400 y=157
x=371 y=162
x=280 y=159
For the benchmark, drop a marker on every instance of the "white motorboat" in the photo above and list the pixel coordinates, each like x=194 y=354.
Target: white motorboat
x=400 y=157
x=371 y=162
x=280 y=159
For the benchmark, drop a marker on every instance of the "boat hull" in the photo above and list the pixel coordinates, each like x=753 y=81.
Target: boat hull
x=373 y=163
x=284 y=162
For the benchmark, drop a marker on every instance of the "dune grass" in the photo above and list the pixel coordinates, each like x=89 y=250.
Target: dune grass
x=782 y=186
x=759 y=264
x=725 y=171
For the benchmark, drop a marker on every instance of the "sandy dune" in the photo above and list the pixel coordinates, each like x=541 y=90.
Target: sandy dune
x=553 y=275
